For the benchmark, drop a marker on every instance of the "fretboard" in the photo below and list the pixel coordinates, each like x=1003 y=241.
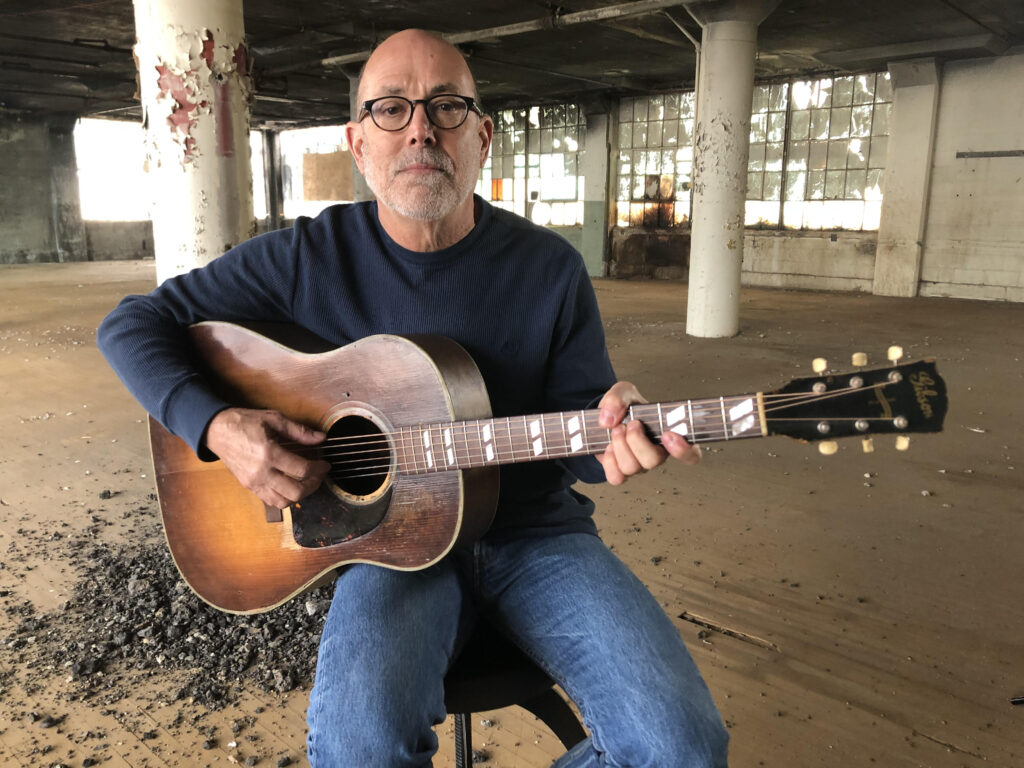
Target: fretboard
x=514 y=439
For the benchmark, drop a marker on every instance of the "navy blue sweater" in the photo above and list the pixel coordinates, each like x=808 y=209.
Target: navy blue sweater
x=514 y=295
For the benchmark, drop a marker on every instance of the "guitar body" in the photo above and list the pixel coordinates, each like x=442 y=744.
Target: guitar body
x=240 y=556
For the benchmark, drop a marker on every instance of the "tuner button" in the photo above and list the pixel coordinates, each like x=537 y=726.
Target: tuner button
x=828 y=447
x=868 y=445
x=894 y=353
x=860 y=359
x=902 y=442
x=819 y=365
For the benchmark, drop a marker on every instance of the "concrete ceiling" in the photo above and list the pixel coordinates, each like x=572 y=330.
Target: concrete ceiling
x=74 y=57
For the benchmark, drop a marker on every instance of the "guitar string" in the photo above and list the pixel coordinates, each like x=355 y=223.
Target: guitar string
x=518 y=431
x=553 y=450
x=779 y=400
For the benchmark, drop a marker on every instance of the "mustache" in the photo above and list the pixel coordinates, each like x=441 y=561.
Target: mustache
x=427 y=156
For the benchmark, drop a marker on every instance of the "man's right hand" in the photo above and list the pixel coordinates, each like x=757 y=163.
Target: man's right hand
x=251 y=445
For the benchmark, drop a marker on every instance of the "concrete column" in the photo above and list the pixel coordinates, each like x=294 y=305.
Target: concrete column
x=907 y=181
x=65 y=207
x=40 y=211
x=360 y=189
x=722 y=138
x=273 y=180
x=195 y=85
x=593 y=166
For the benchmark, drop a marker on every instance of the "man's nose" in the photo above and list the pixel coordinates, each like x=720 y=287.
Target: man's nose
x=420 y=129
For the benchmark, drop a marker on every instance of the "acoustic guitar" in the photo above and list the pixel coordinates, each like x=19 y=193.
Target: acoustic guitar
x=415 y=452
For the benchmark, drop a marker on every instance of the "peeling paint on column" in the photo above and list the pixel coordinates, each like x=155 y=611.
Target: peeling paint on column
x=195 y=86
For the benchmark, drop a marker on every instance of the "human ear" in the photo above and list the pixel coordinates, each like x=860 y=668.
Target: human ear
x=354 y=137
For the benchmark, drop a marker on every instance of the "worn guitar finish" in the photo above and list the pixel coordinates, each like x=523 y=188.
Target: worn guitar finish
x=415 y=452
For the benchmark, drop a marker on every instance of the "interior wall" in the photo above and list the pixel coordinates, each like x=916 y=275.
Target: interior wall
x=973 y=246
x=119 y=240
x=974 y=234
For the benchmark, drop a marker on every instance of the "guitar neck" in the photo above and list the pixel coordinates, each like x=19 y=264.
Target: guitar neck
x=514 y=439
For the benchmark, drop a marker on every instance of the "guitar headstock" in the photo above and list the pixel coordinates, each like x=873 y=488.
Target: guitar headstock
x=896 y=399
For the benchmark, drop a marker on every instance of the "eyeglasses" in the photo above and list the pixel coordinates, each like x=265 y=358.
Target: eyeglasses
x=393 y=113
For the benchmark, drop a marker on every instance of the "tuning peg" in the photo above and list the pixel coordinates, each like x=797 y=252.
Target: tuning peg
x=902 y=442
x=868 y=445
x=828 y=447
x=894 y=353
x=860 y=359
x=819 y=365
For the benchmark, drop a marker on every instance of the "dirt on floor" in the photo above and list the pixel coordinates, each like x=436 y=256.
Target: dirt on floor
x=849 y=610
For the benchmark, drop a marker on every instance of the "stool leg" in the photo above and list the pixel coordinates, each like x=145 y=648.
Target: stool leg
x=463 y=740
x=554 y=712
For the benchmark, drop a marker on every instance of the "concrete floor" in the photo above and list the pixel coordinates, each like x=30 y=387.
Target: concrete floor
x=862 y=609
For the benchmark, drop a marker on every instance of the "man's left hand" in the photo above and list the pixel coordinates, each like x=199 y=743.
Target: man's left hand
x=631 y=451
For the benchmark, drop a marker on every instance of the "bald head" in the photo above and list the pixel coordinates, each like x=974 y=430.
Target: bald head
x=411 y=58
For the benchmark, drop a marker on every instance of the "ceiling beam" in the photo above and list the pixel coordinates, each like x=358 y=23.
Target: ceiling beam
x=553 y=21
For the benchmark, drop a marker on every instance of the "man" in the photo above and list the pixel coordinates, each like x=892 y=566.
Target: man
x=430 y=257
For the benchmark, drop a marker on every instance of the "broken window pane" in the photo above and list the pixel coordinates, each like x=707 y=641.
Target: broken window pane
x=837 y=151
x=864 y=89
x=815 y=185
x=883 y=87
x=640 y=109
x=880 y=124
x=757 y=127
x=625 y=135
x=842 y=92
x=858 y=154
x=755 y=162
x=855 y=183
x=800 y=124
x=819 y=123
x=798 y=151
x=835 y=184
x=760 y=100
x=654 y=134
x=672 y=106
x=873 y=185
x=818 y=155
x=839 y=124
x=796 y=183
x=861 y=125
x=754 y=186
x=777 y=97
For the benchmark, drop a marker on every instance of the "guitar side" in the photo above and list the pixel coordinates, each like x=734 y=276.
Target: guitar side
x=227 y=546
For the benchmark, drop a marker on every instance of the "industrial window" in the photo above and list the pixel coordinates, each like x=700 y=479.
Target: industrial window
x=817 y=152
x=533 y=168
x=654 y=164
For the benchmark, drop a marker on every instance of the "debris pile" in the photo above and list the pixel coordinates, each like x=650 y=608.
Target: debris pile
x=131 y=612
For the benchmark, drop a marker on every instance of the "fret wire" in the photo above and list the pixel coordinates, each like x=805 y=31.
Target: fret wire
x=480 y=443
x=583 y=421
x=511 y=445
x=465 y=442
x=725 y=424
x=661 y=421
x=526 y=433
x=544 y=433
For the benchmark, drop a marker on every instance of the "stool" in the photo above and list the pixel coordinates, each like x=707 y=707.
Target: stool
x=492 y=673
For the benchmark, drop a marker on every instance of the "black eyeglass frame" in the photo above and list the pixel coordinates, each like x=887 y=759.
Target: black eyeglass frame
x=471 y=106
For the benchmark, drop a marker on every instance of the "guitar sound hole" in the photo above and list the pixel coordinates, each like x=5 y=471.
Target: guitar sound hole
x=360 y=456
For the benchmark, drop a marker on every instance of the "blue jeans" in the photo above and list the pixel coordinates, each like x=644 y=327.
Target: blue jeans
x=566 y=600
